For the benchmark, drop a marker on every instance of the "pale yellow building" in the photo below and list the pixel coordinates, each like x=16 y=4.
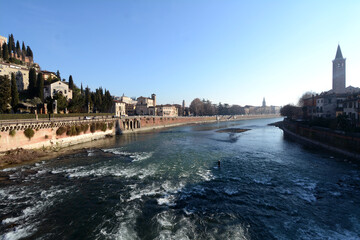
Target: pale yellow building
x=21 y=74
x=3 y=40
x=58 y=86
x=167 y=110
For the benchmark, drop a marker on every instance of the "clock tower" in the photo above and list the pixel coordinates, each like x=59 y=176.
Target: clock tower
x=339 y=72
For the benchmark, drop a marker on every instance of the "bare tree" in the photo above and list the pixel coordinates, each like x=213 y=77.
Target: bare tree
x=306 y=95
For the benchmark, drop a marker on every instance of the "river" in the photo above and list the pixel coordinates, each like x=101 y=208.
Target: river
x=166 y=185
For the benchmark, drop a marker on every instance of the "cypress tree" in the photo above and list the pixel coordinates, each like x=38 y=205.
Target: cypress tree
x=9 y=45
x=71 y=83
x=5 y=52
x=81 y=89
x=32 y=83
x=31 y=53
x=18 y=50
x=14 y=93
x=87 y=96
x=12 y=43
x=40 y=86
x=58 y=74
x=23 y=48
x=1 y=51
x=5 y=94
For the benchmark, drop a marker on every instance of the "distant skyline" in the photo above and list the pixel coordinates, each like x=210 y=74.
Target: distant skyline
x=234 y=52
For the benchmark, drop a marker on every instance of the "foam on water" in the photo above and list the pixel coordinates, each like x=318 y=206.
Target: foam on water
x=134 y=156
x=105 y=170
x=19 y=233
x=205 y=174
x=28 y=219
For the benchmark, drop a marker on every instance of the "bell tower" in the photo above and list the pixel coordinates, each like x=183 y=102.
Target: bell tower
x=339 y=72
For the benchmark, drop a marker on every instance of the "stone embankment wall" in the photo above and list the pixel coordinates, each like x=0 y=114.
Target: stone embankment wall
x=337 y=141
x=131 y=124
x=45 y=134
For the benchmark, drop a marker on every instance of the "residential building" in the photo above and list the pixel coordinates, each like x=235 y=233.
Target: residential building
x=167 y=110
x=57 y=87
x=119 y=108
x=146 y=106
x=21 y=74
x=48 y=74
x=351 y=109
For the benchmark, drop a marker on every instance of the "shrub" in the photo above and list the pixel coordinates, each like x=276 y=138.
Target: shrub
x=60 y=131
x=46 y=136
x=79 y=129
x=110 y=125
x=71 y=131
x=92 y=127
x=85 y=127
x=29 y=133
x=103 y=127
x=12 y=132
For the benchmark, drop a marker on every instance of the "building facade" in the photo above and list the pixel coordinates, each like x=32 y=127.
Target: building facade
x=119 y=108
x=3 y=40
x=167 y=110
x=57 y=87
x=21 y=74
x=144 y=105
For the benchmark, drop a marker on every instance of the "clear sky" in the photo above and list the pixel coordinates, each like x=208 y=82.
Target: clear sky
x=234 y=52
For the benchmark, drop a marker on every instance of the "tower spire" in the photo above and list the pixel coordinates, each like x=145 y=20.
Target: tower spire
x=338 y=53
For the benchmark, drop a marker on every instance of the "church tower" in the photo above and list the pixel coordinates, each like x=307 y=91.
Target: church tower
x=263 y=103
x=339 y=72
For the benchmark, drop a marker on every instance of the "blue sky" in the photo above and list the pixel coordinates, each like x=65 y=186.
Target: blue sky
x=234 y=52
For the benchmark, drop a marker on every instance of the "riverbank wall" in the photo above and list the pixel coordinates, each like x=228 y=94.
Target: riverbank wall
x=47 y=134
x=344 y=143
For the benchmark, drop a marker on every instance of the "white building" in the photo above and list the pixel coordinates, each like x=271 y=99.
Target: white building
x=57 y=87
x=119 y=108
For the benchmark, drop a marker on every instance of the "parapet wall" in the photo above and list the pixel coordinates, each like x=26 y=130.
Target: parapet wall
x=12 y=135
x=337 y=141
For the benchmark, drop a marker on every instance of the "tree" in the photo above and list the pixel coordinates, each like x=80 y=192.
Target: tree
x=5 y=94
x=23 y=48
x=305 y=96
x=77 y=103
x=81 y=89
x=291 y=111
x=197 y=107
x=10 y=47
x=5 y=52
x=32 y=82
x=58 y=75
x=61 y=101
x=14 y=93
x=87 y=97
x=40 y=86
x=12 y=40
x=18 y=50
x=71 y=83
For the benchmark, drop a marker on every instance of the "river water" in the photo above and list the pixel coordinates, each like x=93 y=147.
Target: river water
x=167 y=185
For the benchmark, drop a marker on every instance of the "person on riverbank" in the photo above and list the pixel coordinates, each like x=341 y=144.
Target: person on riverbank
x=219 y=163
